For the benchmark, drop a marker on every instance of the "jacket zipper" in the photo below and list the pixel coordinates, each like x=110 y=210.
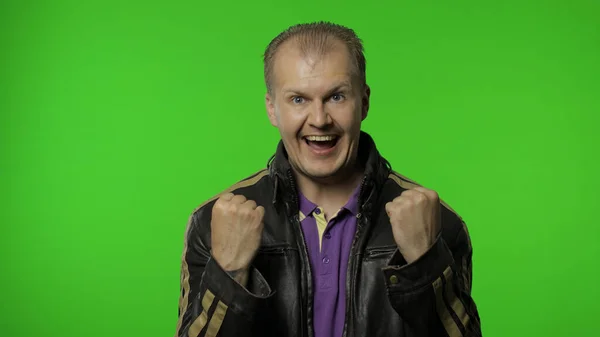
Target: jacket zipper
x=307 y=284
x=352 y=261
x=307 y=281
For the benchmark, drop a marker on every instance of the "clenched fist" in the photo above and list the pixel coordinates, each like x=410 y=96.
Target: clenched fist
x=415 y=220
x=236 y=229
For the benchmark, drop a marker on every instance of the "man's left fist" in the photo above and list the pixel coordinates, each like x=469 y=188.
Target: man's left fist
x=415 y=219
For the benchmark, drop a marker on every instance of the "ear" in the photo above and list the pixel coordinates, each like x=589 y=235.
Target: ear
x=366 y=97
x=270 y=105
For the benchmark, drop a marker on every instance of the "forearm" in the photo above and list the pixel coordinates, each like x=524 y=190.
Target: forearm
x=212 y=300
x=222 y=305
x=431 y=295
x=239 y=276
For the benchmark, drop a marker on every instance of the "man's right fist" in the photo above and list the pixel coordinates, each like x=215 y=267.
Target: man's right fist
x=236 y=229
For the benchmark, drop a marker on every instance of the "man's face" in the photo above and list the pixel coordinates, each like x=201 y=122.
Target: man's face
x=318 y=104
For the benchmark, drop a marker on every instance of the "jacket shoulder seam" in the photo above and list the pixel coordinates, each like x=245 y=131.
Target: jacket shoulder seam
x=403 y=181
x=407 y=183
x=247 y=182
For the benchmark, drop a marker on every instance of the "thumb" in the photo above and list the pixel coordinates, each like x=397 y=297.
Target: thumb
x=261 y=212
x=388 y=208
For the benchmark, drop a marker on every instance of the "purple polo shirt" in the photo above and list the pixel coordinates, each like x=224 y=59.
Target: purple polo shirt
x=328 y=246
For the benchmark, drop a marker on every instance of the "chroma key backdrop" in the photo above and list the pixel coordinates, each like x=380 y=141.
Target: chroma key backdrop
x=118 y=118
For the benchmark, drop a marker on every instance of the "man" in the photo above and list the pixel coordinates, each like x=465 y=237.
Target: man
x=327 y=241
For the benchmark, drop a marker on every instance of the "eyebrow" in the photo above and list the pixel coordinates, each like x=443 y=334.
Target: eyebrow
x=339 y=87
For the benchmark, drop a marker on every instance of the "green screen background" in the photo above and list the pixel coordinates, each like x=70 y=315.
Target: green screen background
x=119 y=118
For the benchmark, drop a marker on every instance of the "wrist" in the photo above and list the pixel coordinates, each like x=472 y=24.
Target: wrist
x=240 y=276
x=230 y=264
x=425 y=270
x=413 y=254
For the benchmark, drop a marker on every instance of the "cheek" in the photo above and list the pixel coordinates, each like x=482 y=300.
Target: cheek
x=348 y=117
x=289 y=121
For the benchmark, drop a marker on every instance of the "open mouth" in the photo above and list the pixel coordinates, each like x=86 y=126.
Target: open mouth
x=321 y=143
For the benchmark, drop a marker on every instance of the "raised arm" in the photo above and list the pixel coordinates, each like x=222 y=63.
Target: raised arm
x=220 y=290
x=433 y=293
x=428 y=279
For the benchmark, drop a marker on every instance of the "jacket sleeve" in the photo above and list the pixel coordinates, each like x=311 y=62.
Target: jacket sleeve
x=433 y=294
x=212 y=303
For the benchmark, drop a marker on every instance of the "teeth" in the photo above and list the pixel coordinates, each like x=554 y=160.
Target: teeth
x=320 y=138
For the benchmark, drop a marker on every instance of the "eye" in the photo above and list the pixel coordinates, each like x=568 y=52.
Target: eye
x=297 y=100
x=337 y=97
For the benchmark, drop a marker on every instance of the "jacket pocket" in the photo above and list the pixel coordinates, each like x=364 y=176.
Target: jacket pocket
x=376 y=253
x=278 y=249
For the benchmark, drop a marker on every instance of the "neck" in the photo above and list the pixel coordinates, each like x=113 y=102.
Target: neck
x=331 y=193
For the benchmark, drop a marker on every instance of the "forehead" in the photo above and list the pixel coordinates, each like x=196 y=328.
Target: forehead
x=313 y=70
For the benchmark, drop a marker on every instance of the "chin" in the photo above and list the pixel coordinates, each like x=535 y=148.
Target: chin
x=322 y=172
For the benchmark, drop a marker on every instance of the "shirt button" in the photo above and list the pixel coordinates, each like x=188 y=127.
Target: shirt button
x=327 y=236
x=326 y=260
x=318 y=211
x=393 y=279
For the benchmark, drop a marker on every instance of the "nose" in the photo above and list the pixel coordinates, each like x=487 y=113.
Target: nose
x=318 y=116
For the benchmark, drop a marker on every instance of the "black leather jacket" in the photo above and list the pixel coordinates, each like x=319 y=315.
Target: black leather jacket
x=385 y=296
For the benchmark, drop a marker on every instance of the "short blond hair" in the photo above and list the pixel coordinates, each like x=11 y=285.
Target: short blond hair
x=316 y=37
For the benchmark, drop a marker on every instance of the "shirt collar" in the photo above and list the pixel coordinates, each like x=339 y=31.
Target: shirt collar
x=352 y=204
x=307 y=207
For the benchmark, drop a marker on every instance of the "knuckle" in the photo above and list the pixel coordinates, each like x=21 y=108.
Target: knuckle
x=410 y=195
x=231 y=208
x=260 y=212
x=409 y=203
x=220 y=206
x=239 y=199
x=245 y=213
x=225 y=197
x=433 y=195
x=419 y=197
